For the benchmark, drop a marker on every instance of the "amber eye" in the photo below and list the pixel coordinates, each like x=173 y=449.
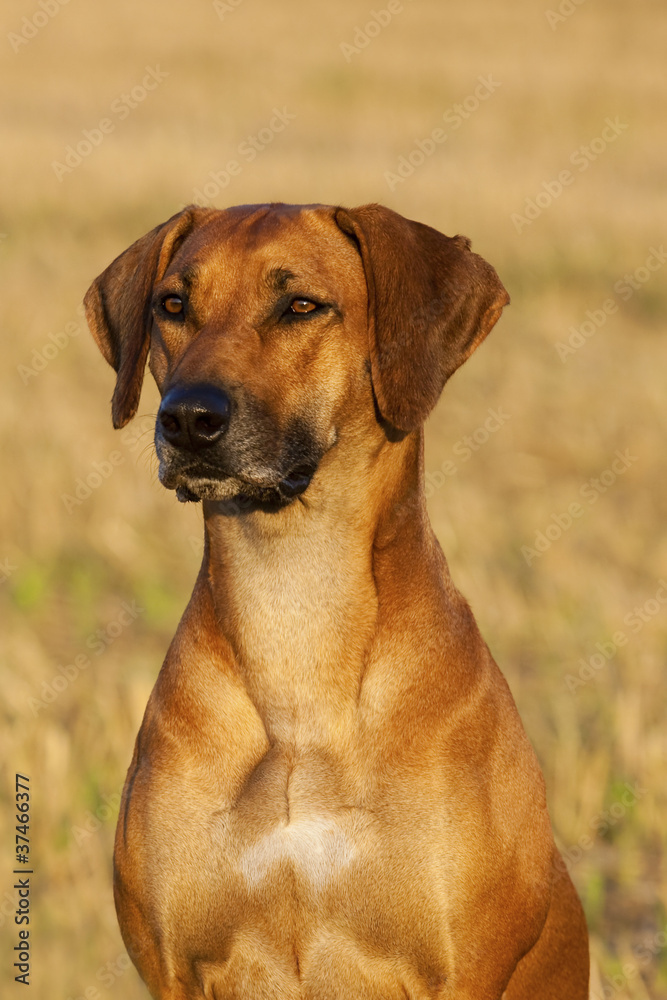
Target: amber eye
x=173 y=304
x=302 y=306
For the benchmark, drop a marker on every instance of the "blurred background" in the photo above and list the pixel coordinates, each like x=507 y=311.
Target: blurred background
x=536 y=131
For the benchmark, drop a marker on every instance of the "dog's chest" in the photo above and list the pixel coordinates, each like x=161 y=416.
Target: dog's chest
x=302 y=816
x=317 y=848
x=306 y=864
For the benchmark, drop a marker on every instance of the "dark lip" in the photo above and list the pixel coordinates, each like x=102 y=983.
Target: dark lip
x=238 y=501
x=203 y=476
x=196 y=482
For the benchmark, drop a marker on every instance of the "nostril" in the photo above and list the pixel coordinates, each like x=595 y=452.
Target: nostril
x=297 y=481
x=170 y=423
x=209 y=423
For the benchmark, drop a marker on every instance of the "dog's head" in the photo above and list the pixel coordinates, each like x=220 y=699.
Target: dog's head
x=275 y=330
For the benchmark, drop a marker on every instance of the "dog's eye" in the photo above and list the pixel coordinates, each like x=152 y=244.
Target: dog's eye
x=301 y=306
x=172 y=304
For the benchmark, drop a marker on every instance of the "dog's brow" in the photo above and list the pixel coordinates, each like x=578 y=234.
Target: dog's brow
x=278 y=278
x=189 y=275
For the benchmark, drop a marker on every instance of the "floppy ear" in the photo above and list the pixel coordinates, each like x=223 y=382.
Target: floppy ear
x=118 y=308
x=431 y=301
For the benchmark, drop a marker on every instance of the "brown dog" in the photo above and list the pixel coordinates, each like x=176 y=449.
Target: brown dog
x=331 y=795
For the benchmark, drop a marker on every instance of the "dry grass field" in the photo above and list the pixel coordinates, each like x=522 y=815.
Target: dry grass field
x=565 y=111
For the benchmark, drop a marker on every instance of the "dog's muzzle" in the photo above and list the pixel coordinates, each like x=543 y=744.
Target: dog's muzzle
x=197 y=448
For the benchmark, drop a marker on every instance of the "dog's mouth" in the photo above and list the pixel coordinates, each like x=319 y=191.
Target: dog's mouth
x=243 y=493
x=250 y=465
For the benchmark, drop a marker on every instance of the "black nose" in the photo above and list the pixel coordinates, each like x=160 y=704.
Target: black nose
x=194 y=417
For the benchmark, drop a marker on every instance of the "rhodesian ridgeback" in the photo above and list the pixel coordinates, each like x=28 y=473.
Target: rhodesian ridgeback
x=331 y=796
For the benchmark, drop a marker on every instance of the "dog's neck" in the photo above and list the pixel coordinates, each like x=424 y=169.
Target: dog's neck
x=298 y=593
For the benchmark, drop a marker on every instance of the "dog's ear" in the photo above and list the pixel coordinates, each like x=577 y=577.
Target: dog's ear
x=431 y=301
x=118 y=308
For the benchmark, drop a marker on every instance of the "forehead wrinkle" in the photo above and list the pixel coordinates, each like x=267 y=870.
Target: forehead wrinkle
x=257 y=249
x=190 y=275
x=278 y=279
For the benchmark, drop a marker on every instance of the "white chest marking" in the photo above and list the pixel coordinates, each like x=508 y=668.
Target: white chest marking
x=317 y=848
